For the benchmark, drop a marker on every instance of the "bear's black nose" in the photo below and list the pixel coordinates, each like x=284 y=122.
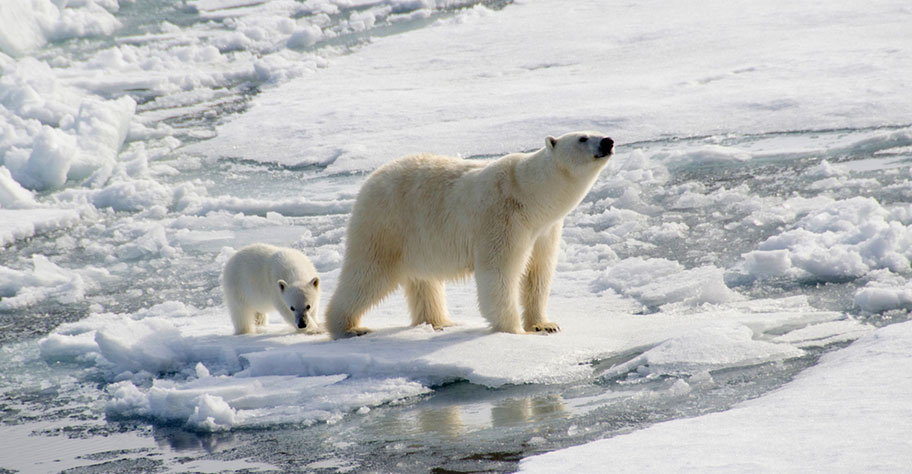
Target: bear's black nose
x=302 y=323
x=606 y=146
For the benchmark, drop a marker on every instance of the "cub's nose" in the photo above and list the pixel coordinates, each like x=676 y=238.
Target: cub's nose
x=302 y=323
x=606 y=146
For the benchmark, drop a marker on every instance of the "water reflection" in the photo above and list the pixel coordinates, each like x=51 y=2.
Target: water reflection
x=178 y=439
x=455 y=421
x=446 y=422
x=519 y=411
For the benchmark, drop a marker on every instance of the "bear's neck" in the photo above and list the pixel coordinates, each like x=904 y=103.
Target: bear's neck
x=551 y=192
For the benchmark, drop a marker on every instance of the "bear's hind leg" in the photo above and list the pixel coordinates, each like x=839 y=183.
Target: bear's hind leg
x=427 y=303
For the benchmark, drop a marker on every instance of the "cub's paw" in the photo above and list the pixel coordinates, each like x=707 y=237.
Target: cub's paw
x=544 y=328
x=259 y=319
x=312 y=329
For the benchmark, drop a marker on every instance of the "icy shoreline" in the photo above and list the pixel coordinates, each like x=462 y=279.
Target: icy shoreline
x=757 y=213
x=840 y=415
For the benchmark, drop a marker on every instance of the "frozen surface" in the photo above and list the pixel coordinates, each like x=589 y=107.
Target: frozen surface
x=21 y=224
x=757 y=215
x=453 y=94
x=206 y=379
x=812 y=423
x=29 y=24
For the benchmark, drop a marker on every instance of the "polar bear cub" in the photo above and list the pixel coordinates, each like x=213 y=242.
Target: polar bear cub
x=424 y=219
x=260 y=278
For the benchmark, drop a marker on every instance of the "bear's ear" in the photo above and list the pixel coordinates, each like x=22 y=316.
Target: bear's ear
x=315 y=282
x=282 y=285
x=550 y=142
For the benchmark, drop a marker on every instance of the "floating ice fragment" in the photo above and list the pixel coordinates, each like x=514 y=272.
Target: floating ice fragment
x=212 y=413
x=46 y=281
x=201 y=370
x=655 y=282
x=12 y=194
x=305 y=35
x=29 y=24
x=835 y=240
x=877 y=299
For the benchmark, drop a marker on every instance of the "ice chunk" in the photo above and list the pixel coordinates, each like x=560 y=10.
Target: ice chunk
x=839 y=239
x=46 y=281
x=305 y=35
x=713 y=347
x=655 y=282
x=12 y=194
x=28 y=24
x=702 y=156
x=159 y=361
x=876 y=298
x=53 y=132
x=219 y=403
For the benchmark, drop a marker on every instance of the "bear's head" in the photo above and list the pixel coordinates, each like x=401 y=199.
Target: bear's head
x=580 y=153
x=301 y=301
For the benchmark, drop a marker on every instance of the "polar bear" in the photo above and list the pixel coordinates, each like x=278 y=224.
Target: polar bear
x=420 y=220
x=260 y=278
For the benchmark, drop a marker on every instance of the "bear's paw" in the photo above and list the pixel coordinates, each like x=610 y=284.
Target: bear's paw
x=356 y=332
x=544 y=328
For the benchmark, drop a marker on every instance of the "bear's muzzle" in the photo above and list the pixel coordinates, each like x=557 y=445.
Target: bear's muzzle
x=606 y=147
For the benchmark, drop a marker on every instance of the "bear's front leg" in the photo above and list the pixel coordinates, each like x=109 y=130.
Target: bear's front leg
x=536 y=281
x=361 y=285
x=497 y=274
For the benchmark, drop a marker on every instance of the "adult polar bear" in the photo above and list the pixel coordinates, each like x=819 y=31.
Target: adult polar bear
x=423 y=219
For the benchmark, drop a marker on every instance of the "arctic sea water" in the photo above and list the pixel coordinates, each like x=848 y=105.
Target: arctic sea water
x=756 y=221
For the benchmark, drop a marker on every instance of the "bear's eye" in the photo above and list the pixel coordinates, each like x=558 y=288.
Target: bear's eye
x=584 y=139
x=292 y=308
x=307 y=308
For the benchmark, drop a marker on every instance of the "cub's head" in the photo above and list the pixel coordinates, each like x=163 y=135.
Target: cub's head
x=580 y=153
x=301 y=301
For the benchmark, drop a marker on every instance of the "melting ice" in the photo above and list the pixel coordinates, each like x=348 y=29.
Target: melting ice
x=757 y=215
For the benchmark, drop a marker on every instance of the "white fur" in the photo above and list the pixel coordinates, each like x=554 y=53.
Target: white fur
x=421 y=220
x=260 y=278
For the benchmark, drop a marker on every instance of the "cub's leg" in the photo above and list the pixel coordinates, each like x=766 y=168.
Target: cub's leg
x=241 y=317
x=537 y=281
x=427 y=303
x=259 y=318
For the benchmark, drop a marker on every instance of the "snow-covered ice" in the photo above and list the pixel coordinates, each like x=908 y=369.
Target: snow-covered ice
x=757 y=214
x=843 y=415
x=638 y=71
x=280 y=377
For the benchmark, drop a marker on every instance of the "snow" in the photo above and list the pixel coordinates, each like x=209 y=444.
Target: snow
x=842 y=239
x=52 y=132
x=814 y=423
x=19 y=224
x=885 y=292
x=656 y=282
x=453 y=94
x=29 y=24
x=160 y=362
x=129 y=155
x=46 y=281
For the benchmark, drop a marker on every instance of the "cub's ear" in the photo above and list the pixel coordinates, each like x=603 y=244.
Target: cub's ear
x=282 y=285
x=550 y=142
x=315 y=282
